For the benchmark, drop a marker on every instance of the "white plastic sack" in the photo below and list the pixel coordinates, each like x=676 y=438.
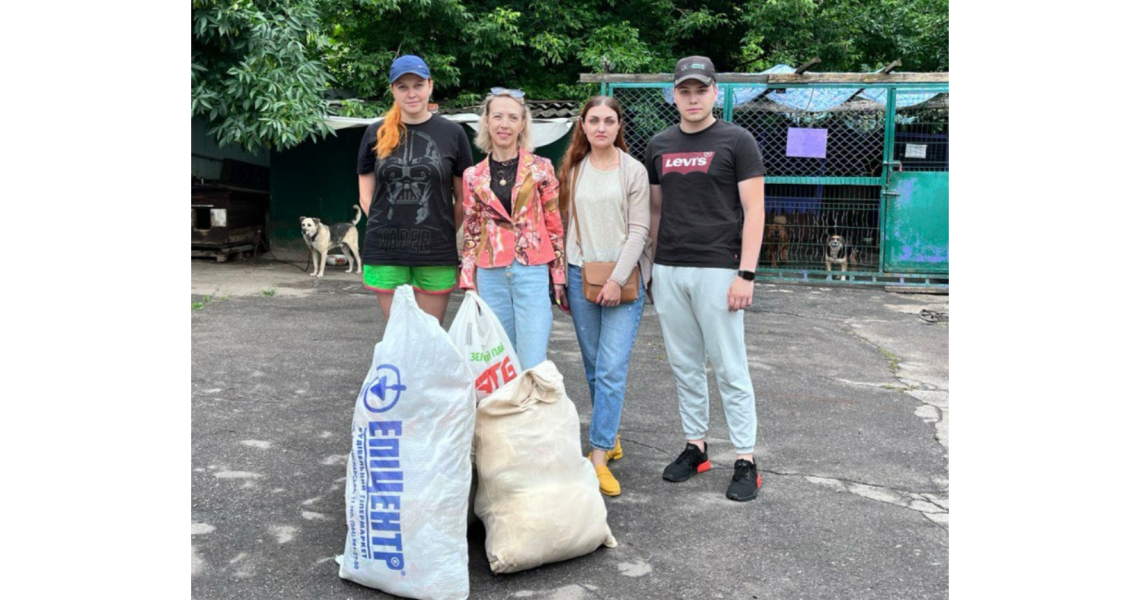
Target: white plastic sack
x=409 y=472
x=484 y=345
x=538 y=496
x=488 y=353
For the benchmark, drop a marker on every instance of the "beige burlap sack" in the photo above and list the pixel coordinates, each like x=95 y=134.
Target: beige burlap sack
x=537 y=496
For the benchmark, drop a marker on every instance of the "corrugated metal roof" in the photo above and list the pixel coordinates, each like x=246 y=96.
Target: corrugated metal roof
x=550 y=109
x=539 y=109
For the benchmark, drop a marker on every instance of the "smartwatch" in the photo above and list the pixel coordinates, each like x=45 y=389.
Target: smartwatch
x=747 y=275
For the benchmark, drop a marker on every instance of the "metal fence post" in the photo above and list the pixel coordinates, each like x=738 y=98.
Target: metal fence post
x=888 y=160
x=728 y=98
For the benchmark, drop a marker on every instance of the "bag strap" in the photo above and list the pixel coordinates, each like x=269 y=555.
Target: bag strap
x=574 y=175
x=624 y=192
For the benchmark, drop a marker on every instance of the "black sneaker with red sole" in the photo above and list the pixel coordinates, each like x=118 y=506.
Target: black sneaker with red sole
x=745 y=481
x=689 y=463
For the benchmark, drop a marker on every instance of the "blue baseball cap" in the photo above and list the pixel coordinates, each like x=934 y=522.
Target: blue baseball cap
x=408 y=63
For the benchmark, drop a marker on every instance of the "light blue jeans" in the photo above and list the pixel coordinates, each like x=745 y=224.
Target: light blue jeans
x=520 y=297
x=692 y=304
x=605 y=336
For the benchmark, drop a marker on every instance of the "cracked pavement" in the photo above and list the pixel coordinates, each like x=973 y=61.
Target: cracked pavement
x=853 y=403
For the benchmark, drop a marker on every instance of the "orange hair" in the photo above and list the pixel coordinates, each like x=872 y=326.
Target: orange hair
x=391 y=132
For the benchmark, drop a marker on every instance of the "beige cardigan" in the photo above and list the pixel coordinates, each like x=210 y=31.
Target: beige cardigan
x=635 y=197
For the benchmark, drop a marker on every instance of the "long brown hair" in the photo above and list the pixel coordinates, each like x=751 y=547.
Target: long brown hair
x=580 y=146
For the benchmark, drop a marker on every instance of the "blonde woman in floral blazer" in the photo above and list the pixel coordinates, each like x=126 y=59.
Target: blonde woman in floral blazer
x=513 y=247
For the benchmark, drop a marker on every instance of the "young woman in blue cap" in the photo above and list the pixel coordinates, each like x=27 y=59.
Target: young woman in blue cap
x=410 y=168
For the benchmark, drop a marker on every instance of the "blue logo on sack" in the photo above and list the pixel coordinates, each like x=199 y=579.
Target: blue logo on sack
x=385 y=494
x=384 y=389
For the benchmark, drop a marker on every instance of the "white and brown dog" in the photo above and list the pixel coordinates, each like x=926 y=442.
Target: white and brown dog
x=321 y=238
x=839 y=252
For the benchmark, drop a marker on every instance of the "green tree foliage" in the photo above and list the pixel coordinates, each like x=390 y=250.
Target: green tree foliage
x=255 y=71
x=847 y=35
x=259 y=66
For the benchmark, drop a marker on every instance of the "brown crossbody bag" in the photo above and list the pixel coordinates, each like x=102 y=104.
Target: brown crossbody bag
x=596 y=274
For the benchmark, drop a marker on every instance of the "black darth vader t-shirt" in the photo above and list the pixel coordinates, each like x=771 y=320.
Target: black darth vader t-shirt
x=411 y=220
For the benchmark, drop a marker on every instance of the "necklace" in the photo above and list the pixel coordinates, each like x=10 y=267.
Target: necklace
x=594 y=160
x=504 y=169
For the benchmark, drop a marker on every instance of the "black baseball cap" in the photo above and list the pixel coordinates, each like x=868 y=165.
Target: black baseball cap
x=694 y=67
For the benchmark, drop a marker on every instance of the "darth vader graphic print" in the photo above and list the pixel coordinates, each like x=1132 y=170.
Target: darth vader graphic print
x=411 y=220
x=410 y=177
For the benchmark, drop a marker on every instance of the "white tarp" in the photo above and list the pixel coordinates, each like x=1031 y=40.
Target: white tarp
x=338 y=123
x=546 y=131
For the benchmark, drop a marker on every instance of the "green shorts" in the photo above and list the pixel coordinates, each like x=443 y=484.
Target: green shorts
x=384 y=279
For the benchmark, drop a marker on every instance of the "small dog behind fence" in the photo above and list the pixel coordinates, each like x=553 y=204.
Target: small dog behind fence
x=776 y=239
x=839 y=252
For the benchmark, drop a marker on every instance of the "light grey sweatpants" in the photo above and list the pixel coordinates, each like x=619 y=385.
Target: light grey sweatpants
x=692 y=303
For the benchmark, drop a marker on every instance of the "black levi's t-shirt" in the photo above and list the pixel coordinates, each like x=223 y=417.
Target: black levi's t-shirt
x=411 y=221
x=701 y=213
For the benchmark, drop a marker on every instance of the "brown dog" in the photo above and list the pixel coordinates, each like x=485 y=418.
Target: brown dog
x=776 y=239
x=839 y=252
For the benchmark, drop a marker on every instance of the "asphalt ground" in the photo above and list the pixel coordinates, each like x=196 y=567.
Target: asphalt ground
x=853 y=402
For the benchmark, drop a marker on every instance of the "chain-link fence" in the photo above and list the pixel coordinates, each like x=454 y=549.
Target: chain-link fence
x=800 y=220
x=838 y=138
x=922 y=136
x=825 y=154
x=647 y=113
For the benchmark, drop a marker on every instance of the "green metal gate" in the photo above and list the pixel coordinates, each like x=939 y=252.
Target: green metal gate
x=861 y=156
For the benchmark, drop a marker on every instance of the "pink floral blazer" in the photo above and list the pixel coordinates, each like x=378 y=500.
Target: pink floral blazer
x=532 y=234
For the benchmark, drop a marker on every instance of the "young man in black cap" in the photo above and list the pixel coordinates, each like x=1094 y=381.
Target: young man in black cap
x=707 y=200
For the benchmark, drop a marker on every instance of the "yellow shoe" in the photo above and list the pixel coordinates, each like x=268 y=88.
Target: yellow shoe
x=606 y=481
x=616 y=453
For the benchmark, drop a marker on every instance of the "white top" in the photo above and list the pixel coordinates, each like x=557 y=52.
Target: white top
x=599 y=202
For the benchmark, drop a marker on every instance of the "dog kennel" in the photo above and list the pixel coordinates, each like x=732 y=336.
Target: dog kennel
x=862 y=156
x=226 y=220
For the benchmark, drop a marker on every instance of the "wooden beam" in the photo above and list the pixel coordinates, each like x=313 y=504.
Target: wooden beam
x=625 y=78
x=809 y=64
x=859 y=78
x=886 y=69
x=781 y=78
x=753 y=78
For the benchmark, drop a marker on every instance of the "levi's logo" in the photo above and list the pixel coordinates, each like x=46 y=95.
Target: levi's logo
x=686 y=162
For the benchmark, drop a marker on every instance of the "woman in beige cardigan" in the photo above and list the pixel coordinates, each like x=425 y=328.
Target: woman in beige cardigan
x=604 y=198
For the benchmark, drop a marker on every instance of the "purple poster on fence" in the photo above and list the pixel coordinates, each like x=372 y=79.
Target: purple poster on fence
x=807 y=143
